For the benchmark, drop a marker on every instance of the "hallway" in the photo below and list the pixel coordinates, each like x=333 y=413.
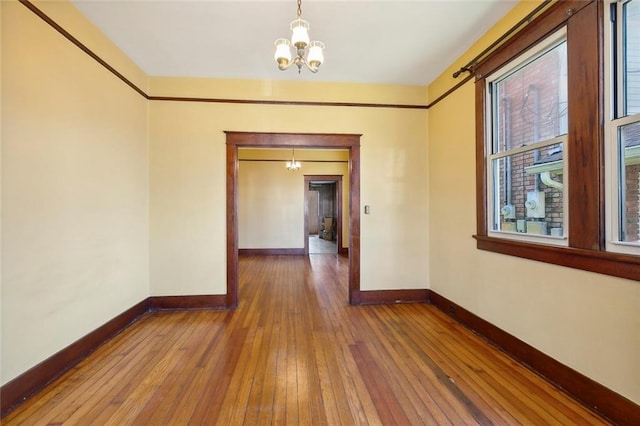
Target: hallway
x=318 y=245
x=295 y=352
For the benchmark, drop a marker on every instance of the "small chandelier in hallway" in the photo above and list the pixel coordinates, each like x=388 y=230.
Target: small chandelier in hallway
x=293 y=164
x=300 y=40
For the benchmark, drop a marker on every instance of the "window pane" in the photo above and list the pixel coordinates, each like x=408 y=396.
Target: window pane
x=528 y=192
x=530 y=104
x=631 y=65
x=630 y=183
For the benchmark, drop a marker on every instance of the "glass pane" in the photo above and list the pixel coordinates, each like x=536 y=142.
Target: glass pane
x=631 y=65
x=528 y=192
x=530 y=104
x=630 y=183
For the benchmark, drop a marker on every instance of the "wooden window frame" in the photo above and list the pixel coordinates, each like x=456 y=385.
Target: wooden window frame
x=616 y=118
x=585 y=153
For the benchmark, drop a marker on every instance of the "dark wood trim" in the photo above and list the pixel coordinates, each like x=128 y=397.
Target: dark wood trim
x=287 y=103
x=585 y=151
x=232 y=226
x=291 y=140
x=337 y=179
x=299 y=160
x=332 y=178
x=591 y=393
x=288 y=140
x=306 y=218
x=379 y=297
x=339 y=189
x=36 y=378
x=173 y=303
x=271 y=252
x=450 y=91
x=614 y=264
x=81 y=46
x=481 y=153
x=549 y=21
x=354 y=224
x=344 y=251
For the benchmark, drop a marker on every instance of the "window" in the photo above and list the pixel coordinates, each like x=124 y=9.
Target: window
x=526 y=137
x=623 y=127
x=557 y=178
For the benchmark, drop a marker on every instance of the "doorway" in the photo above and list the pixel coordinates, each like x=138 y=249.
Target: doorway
x=323 y=214
x=349 y=142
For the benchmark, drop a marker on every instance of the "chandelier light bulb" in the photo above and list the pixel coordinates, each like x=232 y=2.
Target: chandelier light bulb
x=283 y=52
x=315 y=57
x=300 y=33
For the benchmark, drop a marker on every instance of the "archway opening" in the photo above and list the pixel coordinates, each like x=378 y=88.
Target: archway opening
x=237 y=140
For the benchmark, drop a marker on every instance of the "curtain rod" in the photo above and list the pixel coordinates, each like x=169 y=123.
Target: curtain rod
x=491 y=48
x=500 y=40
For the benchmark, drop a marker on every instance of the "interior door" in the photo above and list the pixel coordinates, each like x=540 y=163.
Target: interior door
x=313 y=202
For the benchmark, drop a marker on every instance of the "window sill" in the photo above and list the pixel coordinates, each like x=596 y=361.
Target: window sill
x=614 y=264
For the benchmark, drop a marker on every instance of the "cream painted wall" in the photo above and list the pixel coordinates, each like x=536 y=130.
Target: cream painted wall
x=587 y=321
x=271 y=202
x=187 y=163
x=74 y=190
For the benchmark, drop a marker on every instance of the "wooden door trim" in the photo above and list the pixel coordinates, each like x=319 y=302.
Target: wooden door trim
x=291 y=140
x=337 y=179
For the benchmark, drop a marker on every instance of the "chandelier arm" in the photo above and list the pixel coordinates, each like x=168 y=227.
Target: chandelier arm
x=286 y=67
x=309 y=67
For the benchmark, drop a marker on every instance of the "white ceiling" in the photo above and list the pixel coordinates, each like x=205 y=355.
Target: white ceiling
x=367 y=41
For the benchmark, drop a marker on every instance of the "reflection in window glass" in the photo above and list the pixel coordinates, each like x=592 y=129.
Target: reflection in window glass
x=631 y=34
x=529 y=127
x=528 y=192
x=630 y=182
x=530 y=103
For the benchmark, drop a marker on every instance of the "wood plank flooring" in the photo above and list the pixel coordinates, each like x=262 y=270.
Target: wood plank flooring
x=296 y=353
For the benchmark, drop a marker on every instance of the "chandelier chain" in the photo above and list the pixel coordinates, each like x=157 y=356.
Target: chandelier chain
x=299 y=8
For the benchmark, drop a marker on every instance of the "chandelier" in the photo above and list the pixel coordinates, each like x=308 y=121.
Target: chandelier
x=300 y=41
x=293 y=164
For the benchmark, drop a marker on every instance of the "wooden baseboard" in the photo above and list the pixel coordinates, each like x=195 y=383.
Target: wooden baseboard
x=272 y=252
x=283 y=252
x=601 y=399
x=35 y=379
x=173 y=303
x=378 y=297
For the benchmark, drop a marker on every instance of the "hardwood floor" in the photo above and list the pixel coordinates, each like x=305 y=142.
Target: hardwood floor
x=295 y=352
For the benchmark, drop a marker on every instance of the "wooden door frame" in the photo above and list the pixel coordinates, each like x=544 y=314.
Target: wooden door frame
x=351 y=142
x=337 y=179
